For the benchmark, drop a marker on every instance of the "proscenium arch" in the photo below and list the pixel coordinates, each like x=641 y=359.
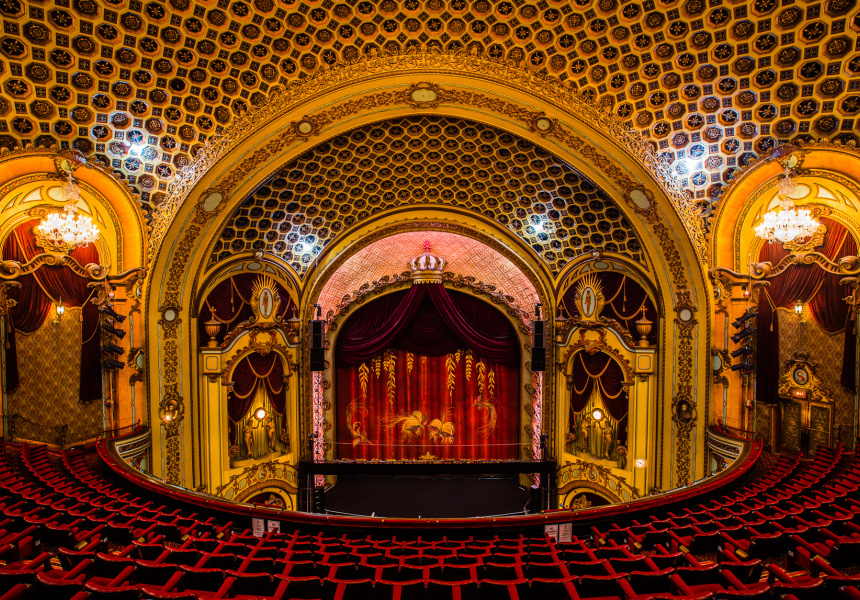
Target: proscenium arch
x=444 y=219
x=228 y=172
x=354 y=306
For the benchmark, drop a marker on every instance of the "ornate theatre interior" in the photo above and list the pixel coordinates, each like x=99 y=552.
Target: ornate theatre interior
x=596 y=245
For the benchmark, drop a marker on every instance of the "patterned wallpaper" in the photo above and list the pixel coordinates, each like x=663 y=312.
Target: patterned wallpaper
x=463 y=255
x=827 y=349
x=49 y=363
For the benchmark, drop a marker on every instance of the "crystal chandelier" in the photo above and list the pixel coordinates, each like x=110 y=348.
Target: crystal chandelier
x=786 y=223
x=63 y=231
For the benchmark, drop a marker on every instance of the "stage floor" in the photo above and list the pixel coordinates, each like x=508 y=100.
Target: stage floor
x=427 y=497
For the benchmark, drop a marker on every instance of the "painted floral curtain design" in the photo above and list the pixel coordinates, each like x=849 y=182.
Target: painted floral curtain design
x=428 y=394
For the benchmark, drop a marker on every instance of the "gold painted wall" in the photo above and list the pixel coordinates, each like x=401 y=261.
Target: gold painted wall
x=49 y=362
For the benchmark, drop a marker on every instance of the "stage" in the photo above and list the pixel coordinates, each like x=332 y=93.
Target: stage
x=443 y=489
x=427 y=497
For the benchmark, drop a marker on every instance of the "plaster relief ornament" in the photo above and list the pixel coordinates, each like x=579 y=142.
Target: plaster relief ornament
x=265 y=301
x=589 y=298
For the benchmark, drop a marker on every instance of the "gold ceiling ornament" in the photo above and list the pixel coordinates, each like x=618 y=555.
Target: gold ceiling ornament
x=457 y=163
x=63 y=231
x=282 y=98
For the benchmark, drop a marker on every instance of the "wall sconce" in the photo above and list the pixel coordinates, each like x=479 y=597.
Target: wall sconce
x=260 y=414
x=746 y=291
x=61 y=310
x=169 y=411
x=597 y=415
x=798 y=310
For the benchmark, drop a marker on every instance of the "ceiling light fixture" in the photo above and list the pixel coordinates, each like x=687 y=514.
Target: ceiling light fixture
x=63 y=231
x=786 y=223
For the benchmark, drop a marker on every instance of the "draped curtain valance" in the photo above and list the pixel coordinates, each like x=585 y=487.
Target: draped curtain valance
x=252 y=371
x=35 y=297
x=431 y=320
x=601 y=370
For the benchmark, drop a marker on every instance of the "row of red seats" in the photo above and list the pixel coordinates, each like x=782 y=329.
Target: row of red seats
x=176 y=556
x=745 y=528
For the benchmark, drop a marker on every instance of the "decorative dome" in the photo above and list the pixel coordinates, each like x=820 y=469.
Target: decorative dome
x=427 y=268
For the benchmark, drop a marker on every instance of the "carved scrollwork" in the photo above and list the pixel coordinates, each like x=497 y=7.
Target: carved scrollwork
x=849 y=265
x=684 y=413
x=801 y=373
x=263 y=349
x=581 y=473
x=10 y=269
x=5 y=302
x=271 y=473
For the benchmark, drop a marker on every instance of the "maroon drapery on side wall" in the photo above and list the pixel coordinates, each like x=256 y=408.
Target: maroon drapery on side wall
x=231 y=300
x=809 y=284
x=427 y=370
x=254 y=370
x=600 y=370
x=625 y=299
x=587 y=370
x=34 y=304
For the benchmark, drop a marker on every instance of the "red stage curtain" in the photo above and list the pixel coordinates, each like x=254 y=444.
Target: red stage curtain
x=427 y=370
x=252 y=371
x=625 y=299
x=402 y=405
x=428 y=319
x=231 y=300
x=34 y=299
x=809 y=284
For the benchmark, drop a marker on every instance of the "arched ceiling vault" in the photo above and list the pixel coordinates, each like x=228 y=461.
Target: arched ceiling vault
x=429 y=161
x=144 y=84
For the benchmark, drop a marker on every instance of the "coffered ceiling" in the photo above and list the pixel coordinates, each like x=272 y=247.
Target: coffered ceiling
x=144 y=84
x=432 y=161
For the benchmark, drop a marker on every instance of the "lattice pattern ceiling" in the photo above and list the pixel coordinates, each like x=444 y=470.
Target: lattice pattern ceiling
x=144 y=84
x=463 y=256
x=433 y=160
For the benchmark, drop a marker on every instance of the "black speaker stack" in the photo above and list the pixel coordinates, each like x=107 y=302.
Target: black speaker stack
x=538 y=342
x=318 y=342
